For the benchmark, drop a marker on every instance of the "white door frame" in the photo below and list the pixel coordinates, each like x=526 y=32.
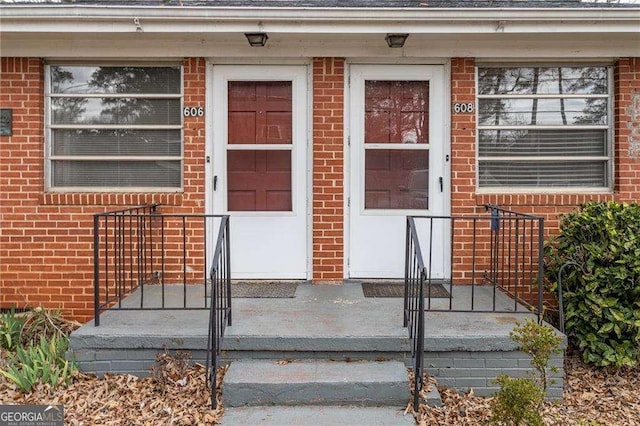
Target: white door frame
x=442 y=102
x=301 y=161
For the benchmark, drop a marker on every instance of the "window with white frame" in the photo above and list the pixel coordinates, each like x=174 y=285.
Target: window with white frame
x=546 y=127
x=114 y=127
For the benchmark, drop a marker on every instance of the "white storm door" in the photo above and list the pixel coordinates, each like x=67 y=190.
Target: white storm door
x=259 y=165
x=397 y=166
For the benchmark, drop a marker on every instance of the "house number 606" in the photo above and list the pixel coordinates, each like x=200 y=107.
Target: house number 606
x=463 y=108
x=193 y=111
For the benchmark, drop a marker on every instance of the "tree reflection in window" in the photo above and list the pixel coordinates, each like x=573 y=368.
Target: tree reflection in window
x=550 y=121
x=114 y=112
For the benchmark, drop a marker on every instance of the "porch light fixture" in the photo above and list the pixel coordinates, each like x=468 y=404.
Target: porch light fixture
x=396 y=40
x=257 y=39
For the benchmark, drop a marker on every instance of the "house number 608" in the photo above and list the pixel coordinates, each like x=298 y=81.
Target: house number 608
x=463 y=108
x=193 y=111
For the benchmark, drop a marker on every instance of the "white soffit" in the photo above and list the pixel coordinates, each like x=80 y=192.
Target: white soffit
x=117 y=31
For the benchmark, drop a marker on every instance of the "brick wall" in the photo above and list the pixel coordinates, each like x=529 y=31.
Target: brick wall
x=46 y=256
x=46 y=238
x=328 y=169
x=627 y=127
x=550 y=206
x=478 y=370
x=463 y=138
x=465 y=200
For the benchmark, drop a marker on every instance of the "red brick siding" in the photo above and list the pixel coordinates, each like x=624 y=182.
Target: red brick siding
x=46 y=238
x=46 y=256
x=328 y=169
x=463 y=138
x=627 y=128
x=626 y=153
x=465 y=200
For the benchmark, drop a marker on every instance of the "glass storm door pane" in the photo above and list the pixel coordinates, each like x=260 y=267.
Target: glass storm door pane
x=260 y=113
x=396 y=113
x=396 y=179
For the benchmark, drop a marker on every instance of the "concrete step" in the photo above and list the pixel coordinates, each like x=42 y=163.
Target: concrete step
x=316 y=416
x=316 y=382
x=432 y=398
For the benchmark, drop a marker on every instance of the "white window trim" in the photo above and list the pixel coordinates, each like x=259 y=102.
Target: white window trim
x=49 y=157
x=609 y=159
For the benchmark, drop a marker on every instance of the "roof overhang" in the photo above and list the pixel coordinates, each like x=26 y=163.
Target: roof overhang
x=33 y=30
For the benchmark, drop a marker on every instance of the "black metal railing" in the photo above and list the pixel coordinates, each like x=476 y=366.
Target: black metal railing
x=147 y=260
x=484 y=263
x=415 y=275
x=220 y=307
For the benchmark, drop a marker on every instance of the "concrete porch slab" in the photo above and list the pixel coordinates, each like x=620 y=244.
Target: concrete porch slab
x=318 y=318
x=331 y=322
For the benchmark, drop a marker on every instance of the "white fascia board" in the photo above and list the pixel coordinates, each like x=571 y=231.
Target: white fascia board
x=201 y=20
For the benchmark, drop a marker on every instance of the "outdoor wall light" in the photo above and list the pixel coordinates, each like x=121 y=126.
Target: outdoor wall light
x=257 y=39
x=396 y=40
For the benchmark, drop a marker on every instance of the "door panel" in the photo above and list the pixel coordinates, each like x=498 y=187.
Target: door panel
x=397 y=162
x=260 y=162
x=260 y=112
x=259 y=180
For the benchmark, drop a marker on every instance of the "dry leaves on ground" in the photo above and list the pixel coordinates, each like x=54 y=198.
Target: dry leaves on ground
x=126 y=399
x=592 y=396
x=602 y=395
x=598 y=396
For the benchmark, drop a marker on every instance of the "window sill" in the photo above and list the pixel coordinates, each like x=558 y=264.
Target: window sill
x=110 y=198
x=543 y=199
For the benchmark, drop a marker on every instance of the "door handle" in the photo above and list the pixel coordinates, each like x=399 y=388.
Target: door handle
x=441 y=184
x=215 y=182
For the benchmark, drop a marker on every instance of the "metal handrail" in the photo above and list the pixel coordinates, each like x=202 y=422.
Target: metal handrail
x=126 y=223
x=508 y=242
x=132 y=249
x=137 y=247
x=415 y=278
x=560 y=290
x=515 y=252
x=220 y=305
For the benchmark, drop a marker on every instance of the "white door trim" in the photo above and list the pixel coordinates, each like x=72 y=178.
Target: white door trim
x=439 y=104
x=216 y=125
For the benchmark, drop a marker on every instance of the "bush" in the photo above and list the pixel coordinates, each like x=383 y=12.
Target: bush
x=602 y=294
x=44 y=363
x=40 y=322
x=517 y=402
x=36 y=342
x=540 y=342
x=10 y=330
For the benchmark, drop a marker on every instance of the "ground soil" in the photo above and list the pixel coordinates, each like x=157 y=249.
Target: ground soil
x=179 y=396
x=592 y=397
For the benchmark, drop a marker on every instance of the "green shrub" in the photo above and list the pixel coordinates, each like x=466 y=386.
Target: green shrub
x=540 y=342
x=44 y=362
x=602 y=295
x=517 y=402
x=10 y=330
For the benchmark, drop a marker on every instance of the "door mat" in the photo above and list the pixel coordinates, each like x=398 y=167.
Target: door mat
x=260 y=289
x=396 y=289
